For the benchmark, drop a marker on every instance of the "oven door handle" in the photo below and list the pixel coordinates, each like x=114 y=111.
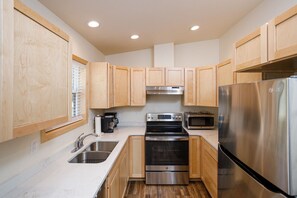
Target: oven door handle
x=166 y=138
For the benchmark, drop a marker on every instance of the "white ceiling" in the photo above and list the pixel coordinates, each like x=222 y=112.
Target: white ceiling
x=156 y=21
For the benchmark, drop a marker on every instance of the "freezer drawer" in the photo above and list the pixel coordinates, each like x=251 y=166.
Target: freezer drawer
x=234 y=182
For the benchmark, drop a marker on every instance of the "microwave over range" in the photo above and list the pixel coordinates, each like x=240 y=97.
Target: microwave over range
x=199 y=120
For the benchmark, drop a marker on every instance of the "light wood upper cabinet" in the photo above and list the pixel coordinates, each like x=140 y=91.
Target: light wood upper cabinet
x=121 y=86
x=282 y=35
x=138 y=95
x=155 y=77
x=101 y=85
x=252 y=49
x=194 y=157
x=136 y=150
x=175 y=76
x=247 y=77
x=209 y=168
x=206 y=88
x=190 y=87
x=6 y=70
x=42 y=73
x=225 y=74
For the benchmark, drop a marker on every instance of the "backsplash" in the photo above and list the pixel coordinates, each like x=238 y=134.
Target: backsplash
x=135 y=116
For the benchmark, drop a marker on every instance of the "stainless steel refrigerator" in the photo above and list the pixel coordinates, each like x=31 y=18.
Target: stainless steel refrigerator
x=258 y=139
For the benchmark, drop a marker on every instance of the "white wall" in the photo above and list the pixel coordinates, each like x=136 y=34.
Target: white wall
x=197 y=54
x=263 y=13
x=139 y=58
x=185 y=55
x=16 y=155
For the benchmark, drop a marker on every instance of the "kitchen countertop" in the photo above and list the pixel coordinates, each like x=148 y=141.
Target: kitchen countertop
x=62 y=179
x=211 y=136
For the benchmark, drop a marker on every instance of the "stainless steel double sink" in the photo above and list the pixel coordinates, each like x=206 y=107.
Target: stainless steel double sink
x=96 y=152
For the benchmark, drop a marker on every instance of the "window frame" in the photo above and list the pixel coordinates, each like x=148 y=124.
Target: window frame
x=51 y=134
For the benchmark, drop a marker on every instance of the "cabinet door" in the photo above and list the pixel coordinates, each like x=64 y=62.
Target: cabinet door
x=6 y=70
x=42 y=73
x=194 y=157
x=138 y=95
x=252 y=49
x=209 y=168
x=113 y=189
x=155 y=77
x=121 y=86
x=282 y=35
x=175 y=77
x=136 y=150
x=206 y=86
x=225 y=73
x=100 y=85
x=248 y=77
x=190 y=87
x=124 y=173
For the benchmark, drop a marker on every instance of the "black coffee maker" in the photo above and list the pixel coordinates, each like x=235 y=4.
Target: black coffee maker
x=107 y=124
x=115 y=117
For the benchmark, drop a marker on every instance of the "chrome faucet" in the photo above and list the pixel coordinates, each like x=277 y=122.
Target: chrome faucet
x=79 y=142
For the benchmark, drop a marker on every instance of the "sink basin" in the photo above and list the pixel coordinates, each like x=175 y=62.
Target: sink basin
x=90 y=157
x=101 y=146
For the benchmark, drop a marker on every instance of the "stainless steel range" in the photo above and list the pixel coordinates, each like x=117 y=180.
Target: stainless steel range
x=166 y=149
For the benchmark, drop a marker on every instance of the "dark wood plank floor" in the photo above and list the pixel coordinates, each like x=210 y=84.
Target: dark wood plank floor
x=138 y=189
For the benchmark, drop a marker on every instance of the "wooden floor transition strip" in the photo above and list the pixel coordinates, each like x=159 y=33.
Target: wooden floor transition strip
x=138 y=189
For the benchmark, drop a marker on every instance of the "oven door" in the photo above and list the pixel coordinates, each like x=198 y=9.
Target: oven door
x=166 y=151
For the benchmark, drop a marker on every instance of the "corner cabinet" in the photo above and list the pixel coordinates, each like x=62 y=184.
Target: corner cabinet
x=101 y=85
x=190 y=87
x=6 y=70
x=42 y=73
x=206 y=94
x=121 y=86
x=252 y=49
x=209 y=169
x=155 y=76
x=136 y=150
x=282 y=35
x=194 y=157
x=138 y=95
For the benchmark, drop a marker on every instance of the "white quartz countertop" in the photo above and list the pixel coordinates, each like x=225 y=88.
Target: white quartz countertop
x=60 y=179
x=211 y=136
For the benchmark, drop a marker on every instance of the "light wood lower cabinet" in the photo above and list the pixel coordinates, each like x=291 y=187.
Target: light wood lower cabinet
x=118 y=177
x=136 y=150
x=209 y=168
x=194 y=157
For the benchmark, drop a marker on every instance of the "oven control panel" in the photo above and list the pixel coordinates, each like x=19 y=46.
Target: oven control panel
x=164 y=117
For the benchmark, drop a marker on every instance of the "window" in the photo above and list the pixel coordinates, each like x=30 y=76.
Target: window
x=79 y=91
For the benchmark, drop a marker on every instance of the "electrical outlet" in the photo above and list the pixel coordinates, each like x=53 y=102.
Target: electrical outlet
x=34 y=146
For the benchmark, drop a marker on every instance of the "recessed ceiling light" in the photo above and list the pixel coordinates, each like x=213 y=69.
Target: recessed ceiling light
x=134 y=36
x=195 y=27
x=93 y=24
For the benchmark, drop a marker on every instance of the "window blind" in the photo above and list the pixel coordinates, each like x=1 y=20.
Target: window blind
x=78 y=89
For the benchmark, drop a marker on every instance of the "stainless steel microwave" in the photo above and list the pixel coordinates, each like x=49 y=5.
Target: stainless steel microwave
x=195 y=120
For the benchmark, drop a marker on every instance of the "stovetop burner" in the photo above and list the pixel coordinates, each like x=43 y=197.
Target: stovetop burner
x=165 y=124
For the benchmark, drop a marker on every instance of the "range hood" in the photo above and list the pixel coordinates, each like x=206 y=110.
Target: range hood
x=164 y=90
